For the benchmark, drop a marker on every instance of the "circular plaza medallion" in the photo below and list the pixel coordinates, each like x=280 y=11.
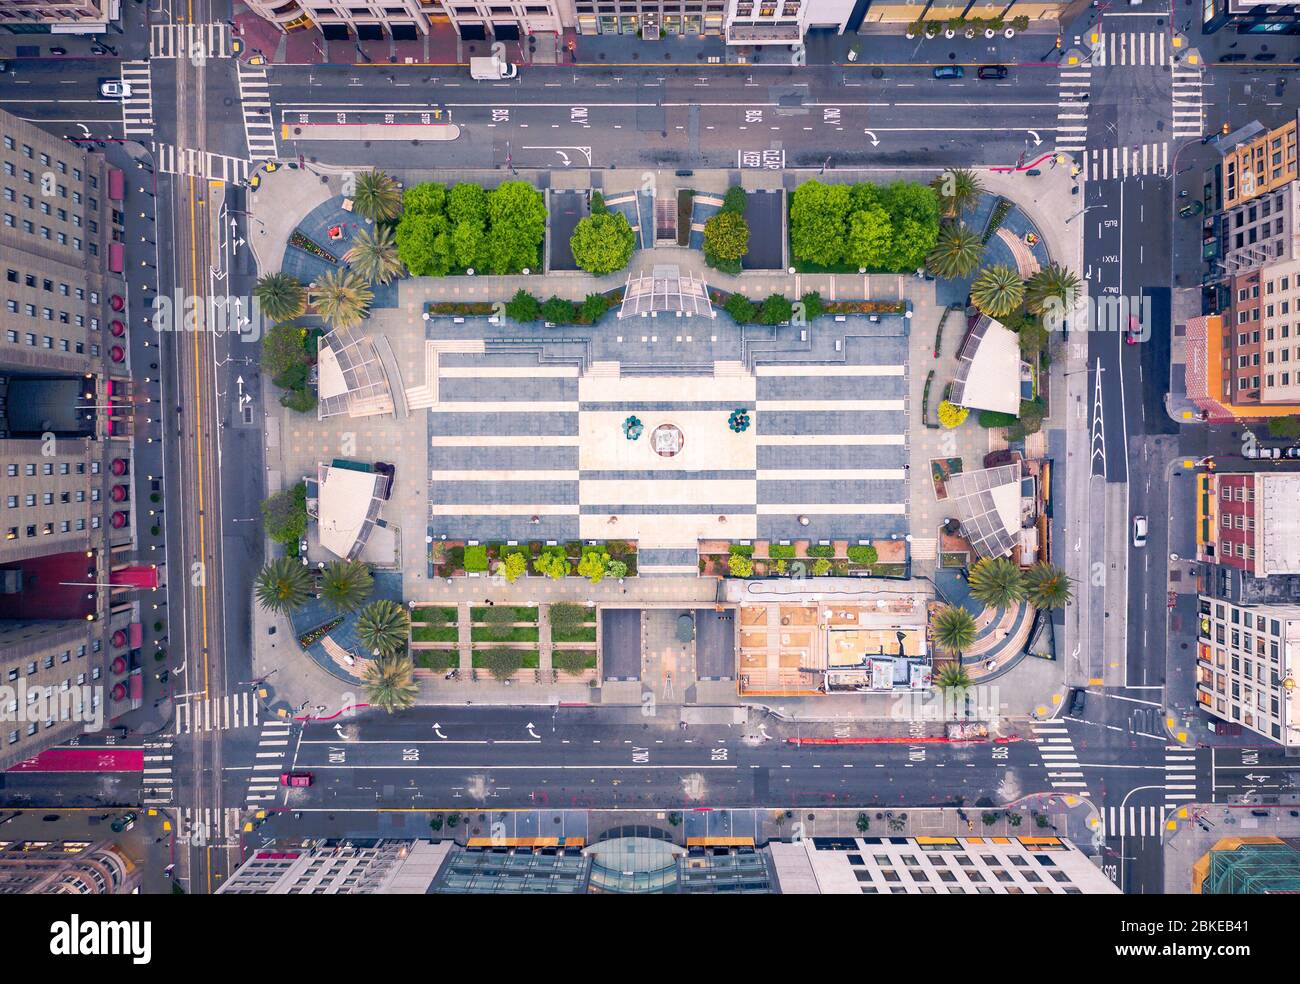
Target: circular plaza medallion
x=666 y=440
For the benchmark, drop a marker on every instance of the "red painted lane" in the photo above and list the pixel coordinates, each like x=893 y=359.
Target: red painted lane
x=84 y=760
x=898 y=741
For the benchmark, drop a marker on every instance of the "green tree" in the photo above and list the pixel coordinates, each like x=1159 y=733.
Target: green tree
x=342 y=298
x=726 y=240
x=423 y=245
x=914 y=212
x=514 y=567
x=376 y=196
x=390 y=683
x=957 y=252
x=558 y=311
x=953 y=676
x=954 y=629
x=593 y=308
x=280 y=296
x=523 y=307
x=467 y=203
x=597 y=203
x=734 y=200
x=740 y=566
x=467 y=242
x=602 y=243
x=384 y=627
x=741 y=309
x=374 y=255
x=1053 y=283
x=553 y=565
x=503 y=662
x=428 y=198
x=284 y=515
x=516 y=226
x=570 y=661
x=997 y=291
x=283 y=351
x=498 y=622
x=591 y=565
x=958 y=190
x=812 y=305
x=864 y=554
x=346 y=584
x=1047 y=586
x=818 y=220
x=282 y=585
x=1284 y=428
x=870 y=240
x=776 y=310
x=616 y=568
x=997 y=581
x=299 y=400
x=821 y=567
x=567 y=616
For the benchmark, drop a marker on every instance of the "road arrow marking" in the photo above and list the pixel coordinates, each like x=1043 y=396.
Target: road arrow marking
x=437 y=730
x=875 y=141
x=1037 y=138
x=532 y=733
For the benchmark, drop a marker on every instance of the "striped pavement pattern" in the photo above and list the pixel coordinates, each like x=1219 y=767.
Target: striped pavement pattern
x=269 y=761
x=195 y=41
x=240 y=710
x=157 y=777
x=1133 y=821
x=255 y=101
x=137 y=111
x=199 y=164
x=208 y=825
x=1188 y=102
x=1123 y=162
x=1072 y=108
x=1180 y=775
x=1131 y=48
x=1059 y=756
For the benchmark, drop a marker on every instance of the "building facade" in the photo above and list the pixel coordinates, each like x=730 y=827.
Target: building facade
x=29 y=867
x=1248 y=521
x=1259 y=164
x=58 y=16
x=1250 y=17
x=65 y=443
x=1245 y=657
x=1262 y=230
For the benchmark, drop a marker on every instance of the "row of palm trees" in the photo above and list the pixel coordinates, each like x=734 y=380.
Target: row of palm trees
x=342 y=297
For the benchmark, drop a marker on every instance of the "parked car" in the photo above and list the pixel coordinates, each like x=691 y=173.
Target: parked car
x=114 y=89
x=1134 y=333
x=1291 y=453
x=125 y=822
x=1078 y=701
x=58 y=50
x=1191 y=208
x=1139 y=531
x=992 y=72
x=4 y=66
x=1233 y=56
x=1261 y=452
x=296 y=780
x=1230 y=728
x=949 y=72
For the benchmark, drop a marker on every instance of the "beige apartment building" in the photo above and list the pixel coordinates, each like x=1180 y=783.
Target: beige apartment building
x=1264 y=229
x=1246 y=661
x=58 y=16
x=65 y=446
x=1261 y=164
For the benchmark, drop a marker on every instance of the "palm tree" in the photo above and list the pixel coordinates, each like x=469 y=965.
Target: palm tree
x=997 y=291
x=390 y=683
x=374 y=255
x=282 y=585
x=1047 y=586
x=281 y=296
x=954 y=629
x=383 y=626
x=1054 y=282
x=342 y=297
x=956 y=253
x=346 y=584
x=953 y=676
x=996 y=581
x=377 y=196
x=958 y=190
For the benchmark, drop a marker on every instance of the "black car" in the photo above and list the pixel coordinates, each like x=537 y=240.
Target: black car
x=1291 y=452
x=992 y=72
x=1233 y=56
x=1078 y=700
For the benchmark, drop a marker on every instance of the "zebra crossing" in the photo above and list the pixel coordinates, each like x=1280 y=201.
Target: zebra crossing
x=1072 y=109
x=1133 y=821
x=239 y=710
x=137 y=110
x=1062 y=762
x=200 y=164
x=195 y=41
x=1131 y=48
x=157 y=775
x=272 y=747
x=255 y=101
x=1123 y=162
x=1188 y=101
x=1180 y=775
x=208 y=825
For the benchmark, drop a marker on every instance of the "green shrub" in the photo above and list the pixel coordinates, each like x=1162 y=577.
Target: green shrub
x=776 y=310
x=476 y=558
x=741 y=550
x=821 y=550
x=598 y=203
x=734 y=200
x=995 y=418
x=812 y=305
x=740 y=565
x=558 y=311
x=781 y=551
x=523 y=307
x=741 y=309
x=821 y=567
x=299 y=400
x=865 y=555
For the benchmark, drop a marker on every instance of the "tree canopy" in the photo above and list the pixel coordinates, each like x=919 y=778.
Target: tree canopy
x=602 y=243
x=445 y=231
x=885 y=228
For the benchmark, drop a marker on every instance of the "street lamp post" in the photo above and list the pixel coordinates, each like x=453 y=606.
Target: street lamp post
x=1085 y=210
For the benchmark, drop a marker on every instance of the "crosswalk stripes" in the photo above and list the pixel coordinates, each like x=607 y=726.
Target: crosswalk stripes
x=1123 y=162
x=196 y=41
x=1131 y=48
x=137 y=109
x=272 y=747
x=157 y=775
x=1072 y=109
x=1180 y=775
x=209 y=825
x=1188 y=101
x=240 y=710
x=200 y=164
x=255 y=100
x=1059 y=757
x=1133 y=821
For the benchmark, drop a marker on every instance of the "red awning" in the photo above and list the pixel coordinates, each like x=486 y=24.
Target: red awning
x=135 y=635
x=116 y=257
x=139 y=576
x=137 y=687
x=116 y=184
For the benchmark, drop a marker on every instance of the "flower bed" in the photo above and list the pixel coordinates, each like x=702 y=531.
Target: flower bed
x=298 y=240
x=864 y=307
x=474 y=308
x=315 y=635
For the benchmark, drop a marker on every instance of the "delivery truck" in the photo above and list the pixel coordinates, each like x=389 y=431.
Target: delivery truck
x=492 y=69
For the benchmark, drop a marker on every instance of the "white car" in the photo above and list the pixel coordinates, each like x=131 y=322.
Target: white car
x=1139 y=531
x=114 y=89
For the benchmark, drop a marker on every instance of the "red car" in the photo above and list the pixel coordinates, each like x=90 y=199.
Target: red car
x=1134 y=333
x=295 y=779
